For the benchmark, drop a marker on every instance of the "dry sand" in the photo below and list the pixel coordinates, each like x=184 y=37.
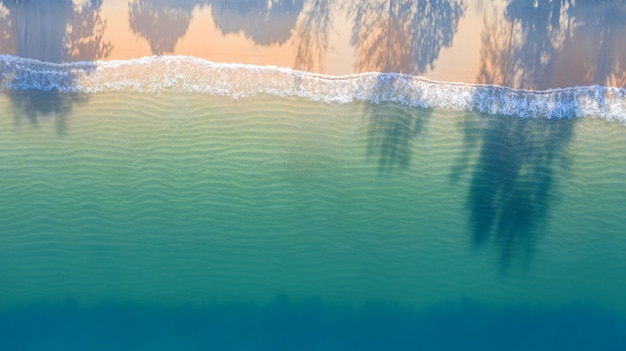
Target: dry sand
x=465 y=41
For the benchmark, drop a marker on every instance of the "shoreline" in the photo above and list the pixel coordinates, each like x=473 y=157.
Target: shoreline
x=484 y=45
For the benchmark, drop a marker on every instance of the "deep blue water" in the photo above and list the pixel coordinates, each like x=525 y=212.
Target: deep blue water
x=310 y=325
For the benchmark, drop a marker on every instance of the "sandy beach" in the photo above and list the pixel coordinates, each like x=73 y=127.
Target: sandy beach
x=505 y=43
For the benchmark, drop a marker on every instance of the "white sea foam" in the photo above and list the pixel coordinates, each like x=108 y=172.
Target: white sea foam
x=162 y=74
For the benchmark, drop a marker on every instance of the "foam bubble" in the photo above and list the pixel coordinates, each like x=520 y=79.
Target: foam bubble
x=162 y=74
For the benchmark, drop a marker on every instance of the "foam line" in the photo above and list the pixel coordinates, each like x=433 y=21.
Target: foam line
x=163 y=74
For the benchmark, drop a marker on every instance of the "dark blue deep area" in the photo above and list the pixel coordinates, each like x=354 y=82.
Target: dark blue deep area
x=310 y=325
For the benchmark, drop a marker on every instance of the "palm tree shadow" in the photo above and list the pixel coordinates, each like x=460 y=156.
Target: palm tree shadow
x=514 y=162
x=161 y=22
x=264 y=22
x=35 y=105
x=601 y=27
x=391 y=133
x=401 y=35
x=45 y=34
x=513 y=181
x=312 y=31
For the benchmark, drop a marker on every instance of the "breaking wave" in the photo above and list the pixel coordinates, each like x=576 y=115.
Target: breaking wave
x=162 y=74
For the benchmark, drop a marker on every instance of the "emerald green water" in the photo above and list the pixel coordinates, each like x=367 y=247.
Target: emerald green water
x=189 y=201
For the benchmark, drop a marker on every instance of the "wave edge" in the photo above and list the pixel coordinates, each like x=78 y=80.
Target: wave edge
x=186 y=74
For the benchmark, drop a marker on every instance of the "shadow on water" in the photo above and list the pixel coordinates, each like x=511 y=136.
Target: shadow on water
x=516 y=161
x=35 y=104
x=54 y=31
x=264 y=22
x=512 y=184
x=391 y=132
x=161 y=22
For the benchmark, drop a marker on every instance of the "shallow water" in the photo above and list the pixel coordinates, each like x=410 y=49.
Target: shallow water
x=191 y=204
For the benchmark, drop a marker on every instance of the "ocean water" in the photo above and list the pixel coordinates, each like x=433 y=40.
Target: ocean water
x=243 y=207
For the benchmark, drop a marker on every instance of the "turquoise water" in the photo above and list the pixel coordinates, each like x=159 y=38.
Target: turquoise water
x=185 y=220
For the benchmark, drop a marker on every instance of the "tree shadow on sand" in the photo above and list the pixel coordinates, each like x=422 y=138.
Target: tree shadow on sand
x=401 y=35
x=49 y=32
x=600 y=27
x=264 y=22
x=7 y=28
x=312 y=32
x=161 y=22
